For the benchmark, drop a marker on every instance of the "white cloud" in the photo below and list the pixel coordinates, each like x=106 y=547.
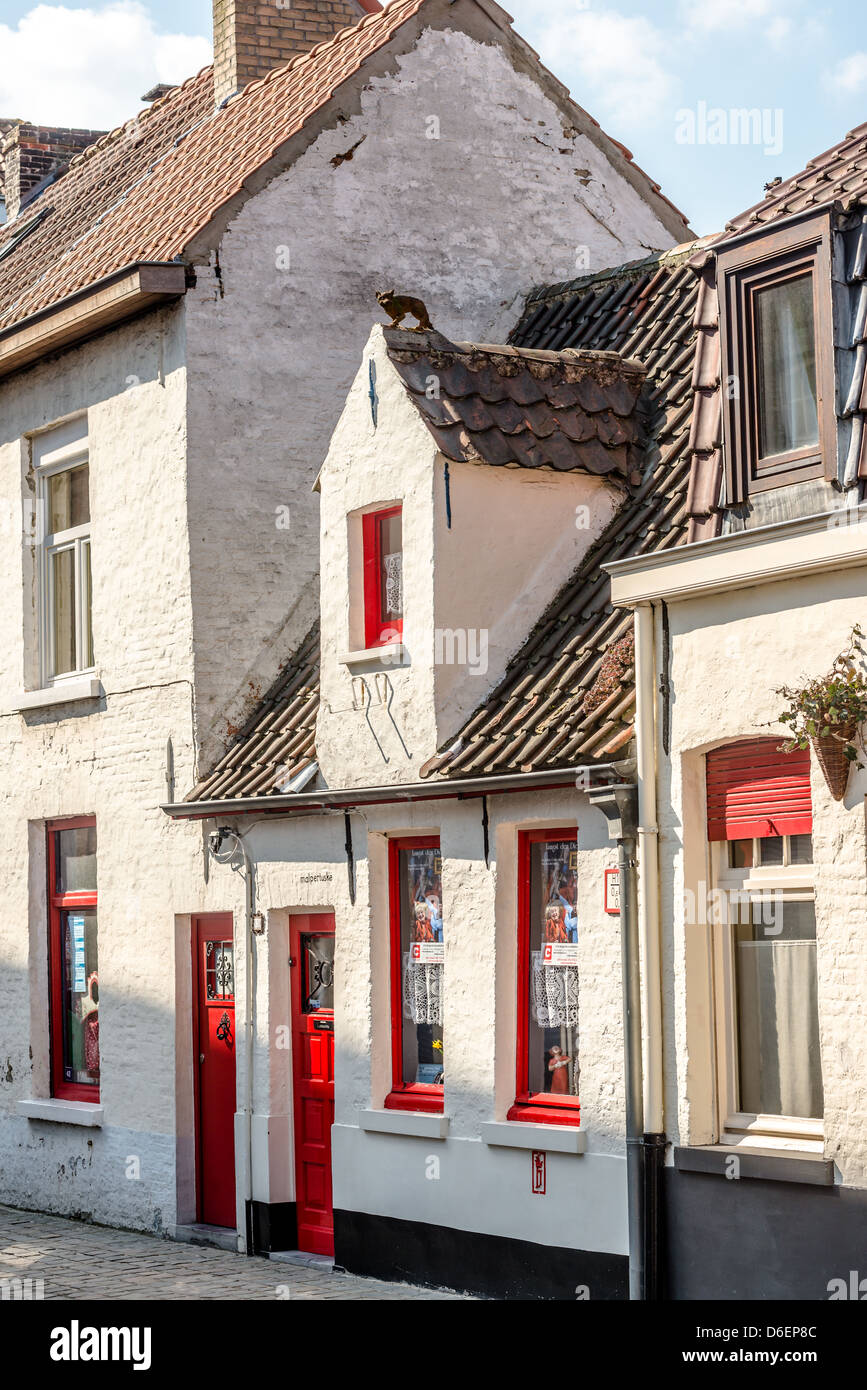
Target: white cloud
x=90 y=67
x=850 y=74
x=779 y=29
x=778 y=21
x=614 y=63
x=725 y=14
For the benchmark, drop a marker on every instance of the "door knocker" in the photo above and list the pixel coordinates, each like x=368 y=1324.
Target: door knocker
x=224 y=1029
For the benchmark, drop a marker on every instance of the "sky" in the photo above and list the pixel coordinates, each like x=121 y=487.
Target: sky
x=667 y=79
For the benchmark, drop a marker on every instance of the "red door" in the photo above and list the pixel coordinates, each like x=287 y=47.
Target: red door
x=312 y=950
x=215 y=1061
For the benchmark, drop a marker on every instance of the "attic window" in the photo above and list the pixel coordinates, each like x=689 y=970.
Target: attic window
x=383 y=577
x=777 y=345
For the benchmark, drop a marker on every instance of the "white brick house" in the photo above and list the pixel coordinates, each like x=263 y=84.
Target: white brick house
x=181 y=314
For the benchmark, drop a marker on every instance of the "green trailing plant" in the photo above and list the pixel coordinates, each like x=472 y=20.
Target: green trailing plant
x=833 y=706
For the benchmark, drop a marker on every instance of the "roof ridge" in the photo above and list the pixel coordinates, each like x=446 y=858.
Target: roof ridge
x=403 y=339
x=671 y=256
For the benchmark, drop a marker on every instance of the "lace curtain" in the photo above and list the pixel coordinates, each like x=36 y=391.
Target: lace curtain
x=555 y=994
x=422 y=991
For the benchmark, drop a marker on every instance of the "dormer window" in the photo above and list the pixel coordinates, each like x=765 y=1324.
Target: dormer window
x=383 y=577
x=778 y=374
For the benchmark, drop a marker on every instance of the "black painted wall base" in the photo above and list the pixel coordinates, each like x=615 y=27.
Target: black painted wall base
x=757 y=1239
x=493 y=1266
x=275 y=1227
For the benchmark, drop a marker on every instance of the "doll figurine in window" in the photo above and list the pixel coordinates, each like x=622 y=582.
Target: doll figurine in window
x=559 y=1075
x=555 y=922
x=423 y=930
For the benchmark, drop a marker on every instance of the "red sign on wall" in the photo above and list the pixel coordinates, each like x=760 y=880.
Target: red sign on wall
x=612 y=891
x=539 y=1172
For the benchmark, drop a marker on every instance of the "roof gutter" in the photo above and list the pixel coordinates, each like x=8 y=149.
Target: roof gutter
x=326 y=802
x=88 y=311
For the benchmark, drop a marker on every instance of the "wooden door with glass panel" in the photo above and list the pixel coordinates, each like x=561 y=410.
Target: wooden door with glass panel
x=312 y=959
x=215 y=1136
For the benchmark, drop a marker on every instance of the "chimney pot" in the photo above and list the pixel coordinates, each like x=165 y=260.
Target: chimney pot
x=159 y=89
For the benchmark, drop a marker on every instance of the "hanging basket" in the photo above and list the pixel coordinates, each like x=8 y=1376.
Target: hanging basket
x=830 y=753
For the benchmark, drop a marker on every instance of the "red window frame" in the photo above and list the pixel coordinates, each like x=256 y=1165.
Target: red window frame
x=534 y=1107
x=415 y=1095
x=374 y=623
x=58 y=903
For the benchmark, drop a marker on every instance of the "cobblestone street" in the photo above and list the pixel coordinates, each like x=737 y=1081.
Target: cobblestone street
x=76 y=1261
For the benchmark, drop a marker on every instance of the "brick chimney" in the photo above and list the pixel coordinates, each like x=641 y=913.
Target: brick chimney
x=29 y=153
x=251 y=37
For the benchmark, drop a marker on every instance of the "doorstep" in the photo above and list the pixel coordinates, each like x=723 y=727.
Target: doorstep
x=303 y=1257
x=220 y=1237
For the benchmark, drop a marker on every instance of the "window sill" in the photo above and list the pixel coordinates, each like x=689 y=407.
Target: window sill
x=553 y=1138
x=526 y=1112
x=408 y=1122
x=775 y=1165
x=63 y=1112
x=87 y=688
x=418 y=1099
x=392 y=654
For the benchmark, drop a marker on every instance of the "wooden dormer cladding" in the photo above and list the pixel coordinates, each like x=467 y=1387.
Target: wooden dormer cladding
x=772 y=348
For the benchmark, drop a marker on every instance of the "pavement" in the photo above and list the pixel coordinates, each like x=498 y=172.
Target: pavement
x=73 y=1260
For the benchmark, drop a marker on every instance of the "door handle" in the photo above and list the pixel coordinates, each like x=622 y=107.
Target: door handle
x=201 y=1056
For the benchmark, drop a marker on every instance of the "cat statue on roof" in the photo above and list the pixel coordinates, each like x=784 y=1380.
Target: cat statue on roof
x=399 y=305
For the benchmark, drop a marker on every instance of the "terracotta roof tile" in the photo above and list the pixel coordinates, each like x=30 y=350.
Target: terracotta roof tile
x=567 y=410
x=276 y=744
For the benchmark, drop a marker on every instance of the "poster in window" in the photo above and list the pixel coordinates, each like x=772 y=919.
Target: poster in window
x=79 y=969
x=427 y=942
x=560 y=924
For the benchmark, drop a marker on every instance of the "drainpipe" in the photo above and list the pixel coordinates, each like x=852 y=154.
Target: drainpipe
x=649 y=931
x=215 y=844
x=620 y=805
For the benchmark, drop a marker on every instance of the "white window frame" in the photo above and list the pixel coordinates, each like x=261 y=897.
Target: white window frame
x=737 y=1128
x=50 y=462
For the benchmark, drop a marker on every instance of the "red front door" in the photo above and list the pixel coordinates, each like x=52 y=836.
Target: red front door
x=312 y=951
x=215 y=1063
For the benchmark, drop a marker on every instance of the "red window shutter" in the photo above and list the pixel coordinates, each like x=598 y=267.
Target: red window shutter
x=754 y=791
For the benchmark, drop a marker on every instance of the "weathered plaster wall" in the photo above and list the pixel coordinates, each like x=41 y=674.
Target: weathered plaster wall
x=472 y=591
x=515 y=537
x=729 y=654
x=511 y=194
x=481 y=1187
